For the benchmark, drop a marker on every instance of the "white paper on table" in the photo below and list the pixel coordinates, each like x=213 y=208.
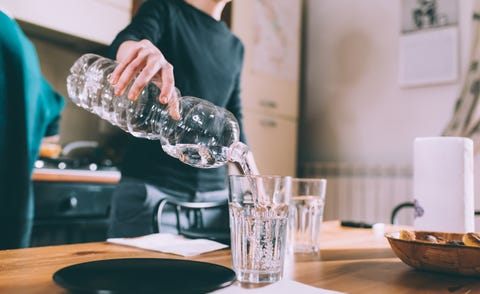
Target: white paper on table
x=170 y=243
x=282 y=286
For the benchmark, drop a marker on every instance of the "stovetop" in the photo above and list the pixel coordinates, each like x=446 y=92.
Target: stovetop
x=67 y=169
x=74 y=164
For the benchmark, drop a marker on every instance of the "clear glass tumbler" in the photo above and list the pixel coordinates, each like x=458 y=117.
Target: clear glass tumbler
x=306 y=214
x=259 y=207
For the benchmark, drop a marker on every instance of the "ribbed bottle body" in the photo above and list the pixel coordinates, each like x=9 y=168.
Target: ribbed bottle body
x=203 y=136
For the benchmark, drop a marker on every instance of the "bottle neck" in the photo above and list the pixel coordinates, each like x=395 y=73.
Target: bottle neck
x=238 y=152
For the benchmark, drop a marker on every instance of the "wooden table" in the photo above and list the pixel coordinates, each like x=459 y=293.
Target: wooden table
x=351 y=260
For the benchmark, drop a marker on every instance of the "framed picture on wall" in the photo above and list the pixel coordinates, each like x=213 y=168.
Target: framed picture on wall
x=428 y=42
x=427 y=14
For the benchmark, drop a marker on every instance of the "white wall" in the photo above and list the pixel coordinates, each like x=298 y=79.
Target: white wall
x=353 y=107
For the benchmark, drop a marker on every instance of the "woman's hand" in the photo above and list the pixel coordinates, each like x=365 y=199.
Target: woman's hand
x=143 y=60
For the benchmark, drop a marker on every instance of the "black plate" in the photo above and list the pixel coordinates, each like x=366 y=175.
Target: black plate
x=144 y=275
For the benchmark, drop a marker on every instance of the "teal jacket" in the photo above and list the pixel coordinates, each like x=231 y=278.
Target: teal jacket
x=28 y=104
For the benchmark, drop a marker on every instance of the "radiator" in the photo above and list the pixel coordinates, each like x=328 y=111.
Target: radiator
x=363 y=192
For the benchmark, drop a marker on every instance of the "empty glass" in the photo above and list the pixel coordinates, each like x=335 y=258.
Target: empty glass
x=306 y=214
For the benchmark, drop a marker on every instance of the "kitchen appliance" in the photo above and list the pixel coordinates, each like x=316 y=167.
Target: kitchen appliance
x=72 y=196
x=70 y=212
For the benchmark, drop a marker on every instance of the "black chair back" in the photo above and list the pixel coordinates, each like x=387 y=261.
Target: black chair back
x=195 y=215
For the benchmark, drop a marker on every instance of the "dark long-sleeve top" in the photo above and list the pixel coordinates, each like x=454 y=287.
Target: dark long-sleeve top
x=207 y=60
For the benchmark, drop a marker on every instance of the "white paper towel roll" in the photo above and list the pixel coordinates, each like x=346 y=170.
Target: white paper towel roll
x=443 y=184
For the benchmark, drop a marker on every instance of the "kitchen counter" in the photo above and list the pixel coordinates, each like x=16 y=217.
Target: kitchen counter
x=76 y=175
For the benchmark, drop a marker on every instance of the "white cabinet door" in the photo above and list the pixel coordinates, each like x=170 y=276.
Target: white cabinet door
x=273 y=142
x=271 y=33
x=93 y=20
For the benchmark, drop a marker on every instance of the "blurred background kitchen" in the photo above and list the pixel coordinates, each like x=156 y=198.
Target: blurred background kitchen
x=332 y=88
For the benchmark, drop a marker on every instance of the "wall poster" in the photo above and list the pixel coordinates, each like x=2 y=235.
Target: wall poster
x=276 y=41
x=428 y=45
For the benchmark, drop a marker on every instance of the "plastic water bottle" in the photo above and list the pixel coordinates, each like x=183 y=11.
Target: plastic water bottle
x=205 y=136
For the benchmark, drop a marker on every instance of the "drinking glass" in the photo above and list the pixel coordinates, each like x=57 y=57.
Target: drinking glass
x=306 y=214
x=258 y=208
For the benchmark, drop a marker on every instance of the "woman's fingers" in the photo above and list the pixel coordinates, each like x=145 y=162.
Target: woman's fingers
x=144 y=77
x=174 y=106
x=120 y=68
x=168 y=83
x=142 y=63
x=129 y=73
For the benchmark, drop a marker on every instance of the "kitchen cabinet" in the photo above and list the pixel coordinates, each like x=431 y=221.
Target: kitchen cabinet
x=72 y=205
x=97 y=21
x=267 y=138
x=70 y=212
x=271 y=34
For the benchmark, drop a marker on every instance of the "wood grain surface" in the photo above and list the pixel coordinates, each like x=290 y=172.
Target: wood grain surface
x=351 y=260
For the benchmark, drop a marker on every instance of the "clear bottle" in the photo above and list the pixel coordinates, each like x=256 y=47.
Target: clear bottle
x=205 y=136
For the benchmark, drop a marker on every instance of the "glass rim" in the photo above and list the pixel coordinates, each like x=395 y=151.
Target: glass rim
x=260 y=176
x=309 y=180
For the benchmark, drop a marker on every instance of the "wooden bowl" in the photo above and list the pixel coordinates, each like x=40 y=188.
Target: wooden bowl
x=446 y=258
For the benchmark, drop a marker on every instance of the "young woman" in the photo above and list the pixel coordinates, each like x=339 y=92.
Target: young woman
x=183 y=44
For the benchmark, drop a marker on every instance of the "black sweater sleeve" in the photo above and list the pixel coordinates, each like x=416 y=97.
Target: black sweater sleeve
x=148 y=23
x=235 y=107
